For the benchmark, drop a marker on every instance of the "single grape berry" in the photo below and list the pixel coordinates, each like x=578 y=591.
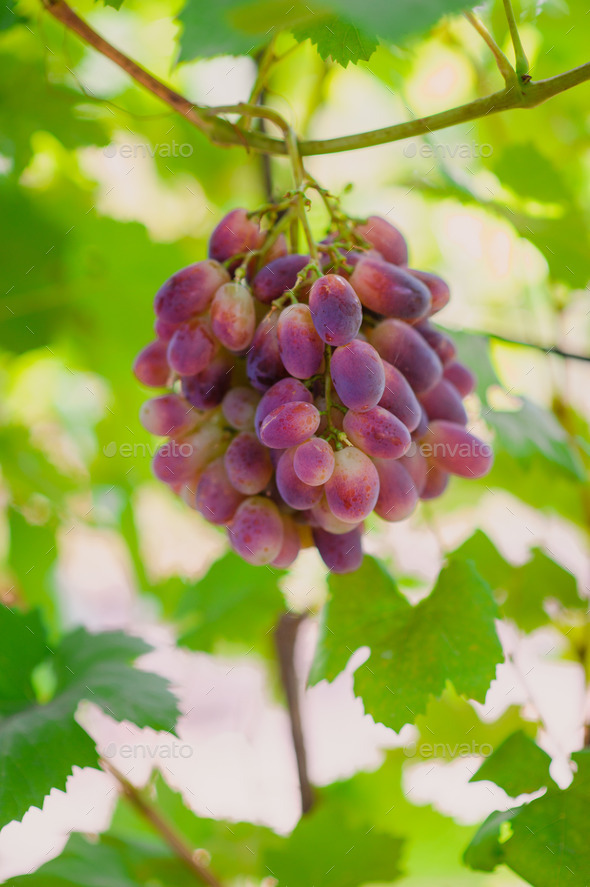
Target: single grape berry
x=336 y=309
x=358 y=375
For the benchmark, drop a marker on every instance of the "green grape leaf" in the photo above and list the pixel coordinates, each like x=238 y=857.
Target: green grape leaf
x=545 y=841
x=518 y=766
x=86 y=667
x=338 y=39
x=415 y=651
x=234 y=602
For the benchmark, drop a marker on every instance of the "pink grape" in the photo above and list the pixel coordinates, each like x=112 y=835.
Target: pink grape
x=217 y=500
x=291 y=544
x=179 y=460
x=435 y=484
x=189 y=291
x=151 y=365
x=207 y=389
x=313 y=461
x=398 y=496
x=289 y=424
x=248 y=464
x=389 y=290
x=191 y=349
x=165 y=330
x=385 y=238
x=336 y=310
x=239 y=407
x=263 y=361
x=340 y=553
x=294 y=491
x=416 y=466
x=461 y=377
x=321 y=516
x=422 y=427
x=233 y=318
x=455 y=450
x=277 y=277
x=439 y=290
x=168 y=416
x=358 y=375
x=399 y=398
x=256 y=533
x=285 y=391
x=377 y=433
x=444 y=402
x=301 y=349
x=440 y=343
x=403 y=347
x=353 y=488
x=235 y=234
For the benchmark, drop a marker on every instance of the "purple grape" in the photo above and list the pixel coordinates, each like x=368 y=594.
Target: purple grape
x=151 y=365
x=169 y=415
x=377 y=433
x=398 y=496
x=313 y=461
x=217 y=500
x=248 y=464
x=416 y=466
x=435 y=484
x=444 y=402
x=165 y=330
x=358 y=375
x=233 y=318
x=277 y=277
x=450 y=448
x=289 y=424
x=207 y=389
x=461 y=377
x=340 y=553
x=385 y=238
x=422 y=427
x=234 y=235
x=301 y=349
x=263 y=362
x=321 y=516
x=440 y=343
x=189 y=291
x=256 y=533
x=291 y=544
x=191 y=349
x=439 y=290
x=239 y=407
x=336 y=310
x=399 y=398
x=286 y=391
x=389 y=290
x=292 y=490
x=179 y=460
x=353 y=489
x=406 y=350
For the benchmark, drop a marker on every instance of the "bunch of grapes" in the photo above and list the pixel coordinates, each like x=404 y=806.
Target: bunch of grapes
x=305 y=391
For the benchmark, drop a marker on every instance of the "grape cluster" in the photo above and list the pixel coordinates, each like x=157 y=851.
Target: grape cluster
x=305 y=392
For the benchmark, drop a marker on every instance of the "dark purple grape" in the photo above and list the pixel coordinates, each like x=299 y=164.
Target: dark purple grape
x=385 y=238
x=168 y=416
x=289 y=424
x=358 y=375
x=398 y=495
x=286 y=391
x=336 y=310
x=439 y=290
x=234 y=235
x=435 y=484
x=165 y=330
x=239 y=407
x=207 y=389
x=191 y=349
x=217 y=500
x=233 y=318
x=403 y=347
x=291 y=544
x=189 y=291
x=248 y=464
x=389 y=290
x=151 y=365
x=399 y=398
x=340 y=553
x=450 y=448
x=444 y=402
x=277 y=277
x=301 y=349
x=256 y=533
x=292 y=490
x=263 y=361
x=461 y=377
x=440 y=343
x=353 y=489
x=422 y=427
x=314 y=461
x=377 y=433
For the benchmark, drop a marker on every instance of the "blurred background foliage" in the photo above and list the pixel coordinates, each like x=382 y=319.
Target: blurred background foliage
x=105 y=192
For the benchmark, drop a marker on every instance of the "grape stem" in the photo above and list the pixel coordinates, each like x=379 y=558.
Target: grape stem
x=528 y=94
x=522 y=63
x=504 y=66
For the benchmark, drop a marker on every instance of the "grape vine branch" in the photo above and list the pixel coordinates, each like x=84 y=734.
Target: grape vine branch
x=523 y=93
